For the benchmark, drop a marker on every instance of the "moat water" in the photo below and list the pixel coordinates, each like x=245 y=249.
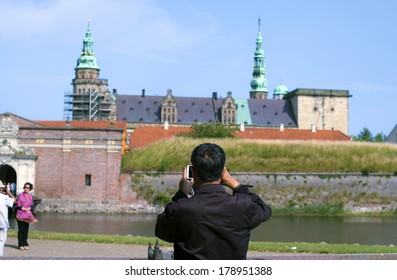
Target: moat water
x=340 y=230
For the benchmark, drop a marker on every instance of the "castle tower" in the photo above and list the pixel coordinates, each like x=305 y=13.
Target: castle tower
x=259 y=82
x=279 y=92
x=91 y=99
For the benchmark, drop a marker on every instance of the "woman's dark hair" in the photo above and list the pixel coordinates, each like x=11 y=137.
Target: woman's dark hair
x=29 y=184
x=208 y=161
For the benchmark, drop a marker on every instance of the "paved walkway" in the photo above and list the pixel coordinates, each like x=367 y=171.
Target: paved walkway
x=53 y=249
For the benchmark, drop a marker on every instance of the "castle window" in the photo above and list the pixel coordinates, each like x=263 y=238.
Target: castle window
x=141 y=119
x=147 y=109
x=201 y=111
x=332 y=109
x=195 y=120
x=264 y=106
x=315 y=109
x=132 y=108
x=269 y=122
x=207 y=104
x=193 y=103
x=276 y=113
x=124 y=119
x=122 y=102
x=165 y=110
x=242 y=106
x=155 y=103
x=255 y=113
x=140 y=102
x=88 y=180
x=186 y=110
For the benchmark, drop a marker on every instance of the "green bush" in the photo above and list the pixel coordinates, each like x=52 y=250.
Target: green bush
x=211 y=130
x=161 y=199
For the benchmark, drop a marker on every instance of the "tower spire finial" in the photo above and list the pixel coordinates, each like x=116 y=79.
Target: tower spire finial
x=259 y=24
x=89 y=20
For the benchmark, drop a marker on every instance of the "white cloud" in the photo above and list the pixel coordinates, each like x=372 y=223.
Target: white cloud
x=125 y=25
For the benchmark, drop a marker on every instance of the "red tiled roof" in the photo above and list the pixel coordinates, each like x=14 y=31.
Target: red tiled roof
x=85 y=124
x=145 y=135
x=292 y=134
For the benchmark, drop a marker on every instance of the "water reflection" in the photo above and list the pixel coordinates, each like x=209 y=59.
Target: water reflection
x=350 y=230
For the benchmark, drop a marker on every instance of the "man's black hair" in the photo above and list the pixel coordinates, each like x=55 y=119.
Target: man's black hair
x=208 y=160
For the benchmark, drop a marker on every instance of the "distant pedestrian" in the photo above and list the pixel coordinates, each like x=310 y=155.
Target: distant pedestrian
x=6 y=201
x=24 y=215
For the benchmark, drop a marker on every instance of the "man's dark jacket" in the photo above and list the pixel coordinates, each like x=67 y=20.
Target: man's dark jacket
x=212 y=224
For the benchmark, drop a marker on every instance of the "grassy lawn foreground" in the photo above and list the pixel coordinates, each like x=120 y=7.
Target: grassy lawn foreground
x=283 y=247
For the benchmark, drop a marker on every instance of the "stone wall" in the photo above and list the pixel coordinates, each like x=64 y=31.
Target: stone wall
x=358 y=193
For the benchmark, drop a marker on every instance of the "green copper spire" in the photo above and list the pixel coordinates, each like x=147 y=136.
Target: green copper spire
x=259 y=82
x=87 y=58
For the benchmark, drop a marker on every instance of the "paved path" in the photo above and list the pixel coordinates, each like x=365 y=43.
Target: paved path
x=54 y=249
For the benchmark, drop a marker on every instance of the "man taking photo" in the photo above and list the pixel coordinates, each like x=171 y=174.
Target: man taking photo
x=203 y=220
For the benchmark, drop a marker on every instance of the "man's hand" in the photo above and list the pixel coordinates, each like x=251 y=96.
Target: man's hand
x=185 y=185
x=228 y=180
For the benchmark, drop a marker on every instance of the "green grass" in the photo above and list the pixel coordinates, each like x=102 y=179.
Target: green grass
x=270 y=156
x=296 y=247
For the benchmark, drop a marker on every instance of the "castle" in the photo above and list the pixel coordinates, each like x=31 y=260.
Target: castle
x=302 y=108
x=79 y=159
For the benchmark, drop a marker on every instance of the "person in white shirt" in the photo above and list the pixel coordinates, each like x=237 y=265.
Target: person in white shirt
x=6 y=200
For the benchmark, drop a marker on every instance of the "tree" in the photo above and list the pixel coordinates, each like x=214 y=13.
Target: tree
x=366 y=136
x=380 y=137
x=211 y=130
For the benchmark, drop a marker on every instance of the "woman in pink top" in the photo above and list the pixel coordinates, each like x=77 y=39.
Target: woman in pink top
x=24 y=215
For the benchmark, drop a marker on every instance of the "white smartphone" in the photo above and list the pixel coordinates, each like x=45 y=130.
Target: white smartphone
x=189 y=173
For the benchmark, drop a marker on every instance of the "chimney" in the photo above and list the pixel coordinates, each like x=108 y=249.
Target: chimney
x=215 y=95
x=313 y=128
x=281 y=127
x=143 y=92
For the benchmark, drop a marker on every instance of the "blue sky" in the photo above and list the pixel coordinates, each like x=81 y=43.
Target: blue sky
x=197 y=47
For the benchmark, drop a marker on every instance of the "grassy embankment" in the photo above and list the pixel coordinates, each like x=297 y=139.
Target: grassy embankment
x=270 y=156
x=273 y=157
x=295 y=247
